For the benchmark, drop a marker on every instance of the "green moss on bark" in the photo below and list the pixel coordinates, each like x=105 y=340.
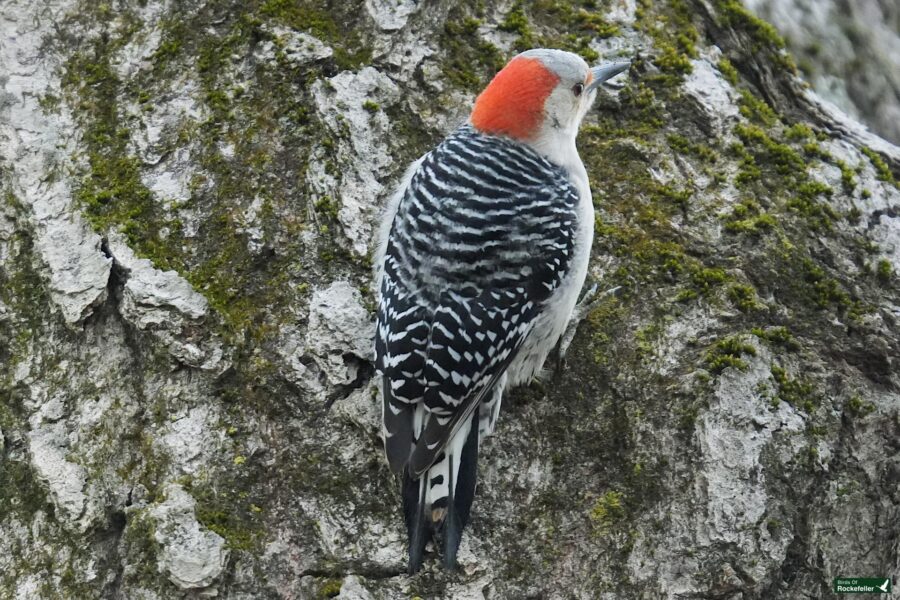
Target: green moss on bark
x=764 y=37
x=469 y=60
x=882 y=171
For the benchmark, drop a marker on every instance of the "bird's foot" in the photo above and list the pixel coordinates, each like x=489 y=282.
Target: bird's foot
x=588 y=302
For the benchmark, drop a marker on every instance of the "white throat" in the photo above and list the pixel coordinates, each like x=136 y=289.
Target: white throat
x=557 y=144
x=556 y=137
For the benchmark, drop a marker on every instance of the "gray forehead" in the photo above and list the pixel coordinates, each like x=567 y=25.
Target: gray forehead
x=565 y=64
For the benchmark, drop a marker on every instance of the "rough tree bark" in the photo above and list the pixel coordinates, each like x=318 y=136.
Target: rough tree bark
x=188 y=197
x=849 y=51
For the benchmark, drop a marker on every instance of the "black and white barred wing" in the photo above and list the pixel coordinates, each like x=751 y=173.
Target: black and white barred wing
x=482 y=237
x=401 y=341
x=472 y=342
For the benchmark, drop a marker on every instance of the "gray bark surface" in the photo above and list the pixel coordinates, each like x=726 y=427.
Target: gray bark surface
x=848 y=51
x=188 y=195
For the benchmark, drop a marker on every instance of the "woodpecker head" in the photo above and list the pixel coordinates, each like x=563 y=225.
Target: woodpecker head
x=540 y=95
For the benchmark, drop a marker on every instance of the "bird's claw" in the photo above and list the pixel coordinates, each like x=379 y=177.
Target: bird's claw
x=588 y=302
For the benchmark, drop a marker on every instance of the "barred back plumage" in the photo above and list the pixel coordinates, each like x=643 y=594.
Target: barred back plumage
x=482 y=238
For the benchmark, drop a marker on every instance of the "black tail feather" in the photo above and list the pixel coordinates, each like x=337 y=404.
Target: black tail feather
x=462 y=492
x=417 y=528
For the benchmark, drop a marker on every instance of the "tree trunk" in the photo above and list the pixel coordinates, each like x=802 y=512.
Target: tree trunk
x=189 y=194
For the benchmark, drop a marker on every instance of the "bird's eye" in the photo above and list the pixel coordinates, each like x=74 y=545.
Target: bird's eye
x=577 y=89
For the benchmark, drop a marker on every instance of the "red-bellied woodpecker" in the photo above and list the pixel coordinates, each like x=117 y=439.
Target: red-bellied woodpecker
x=483 y=252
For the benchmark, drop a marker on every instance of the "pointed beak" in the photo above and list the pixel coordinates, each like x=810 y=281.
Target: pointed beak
x=606 y=72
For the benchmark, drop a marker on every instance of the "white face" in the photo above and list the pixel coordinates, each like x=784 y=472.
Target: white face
x=571 y=99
